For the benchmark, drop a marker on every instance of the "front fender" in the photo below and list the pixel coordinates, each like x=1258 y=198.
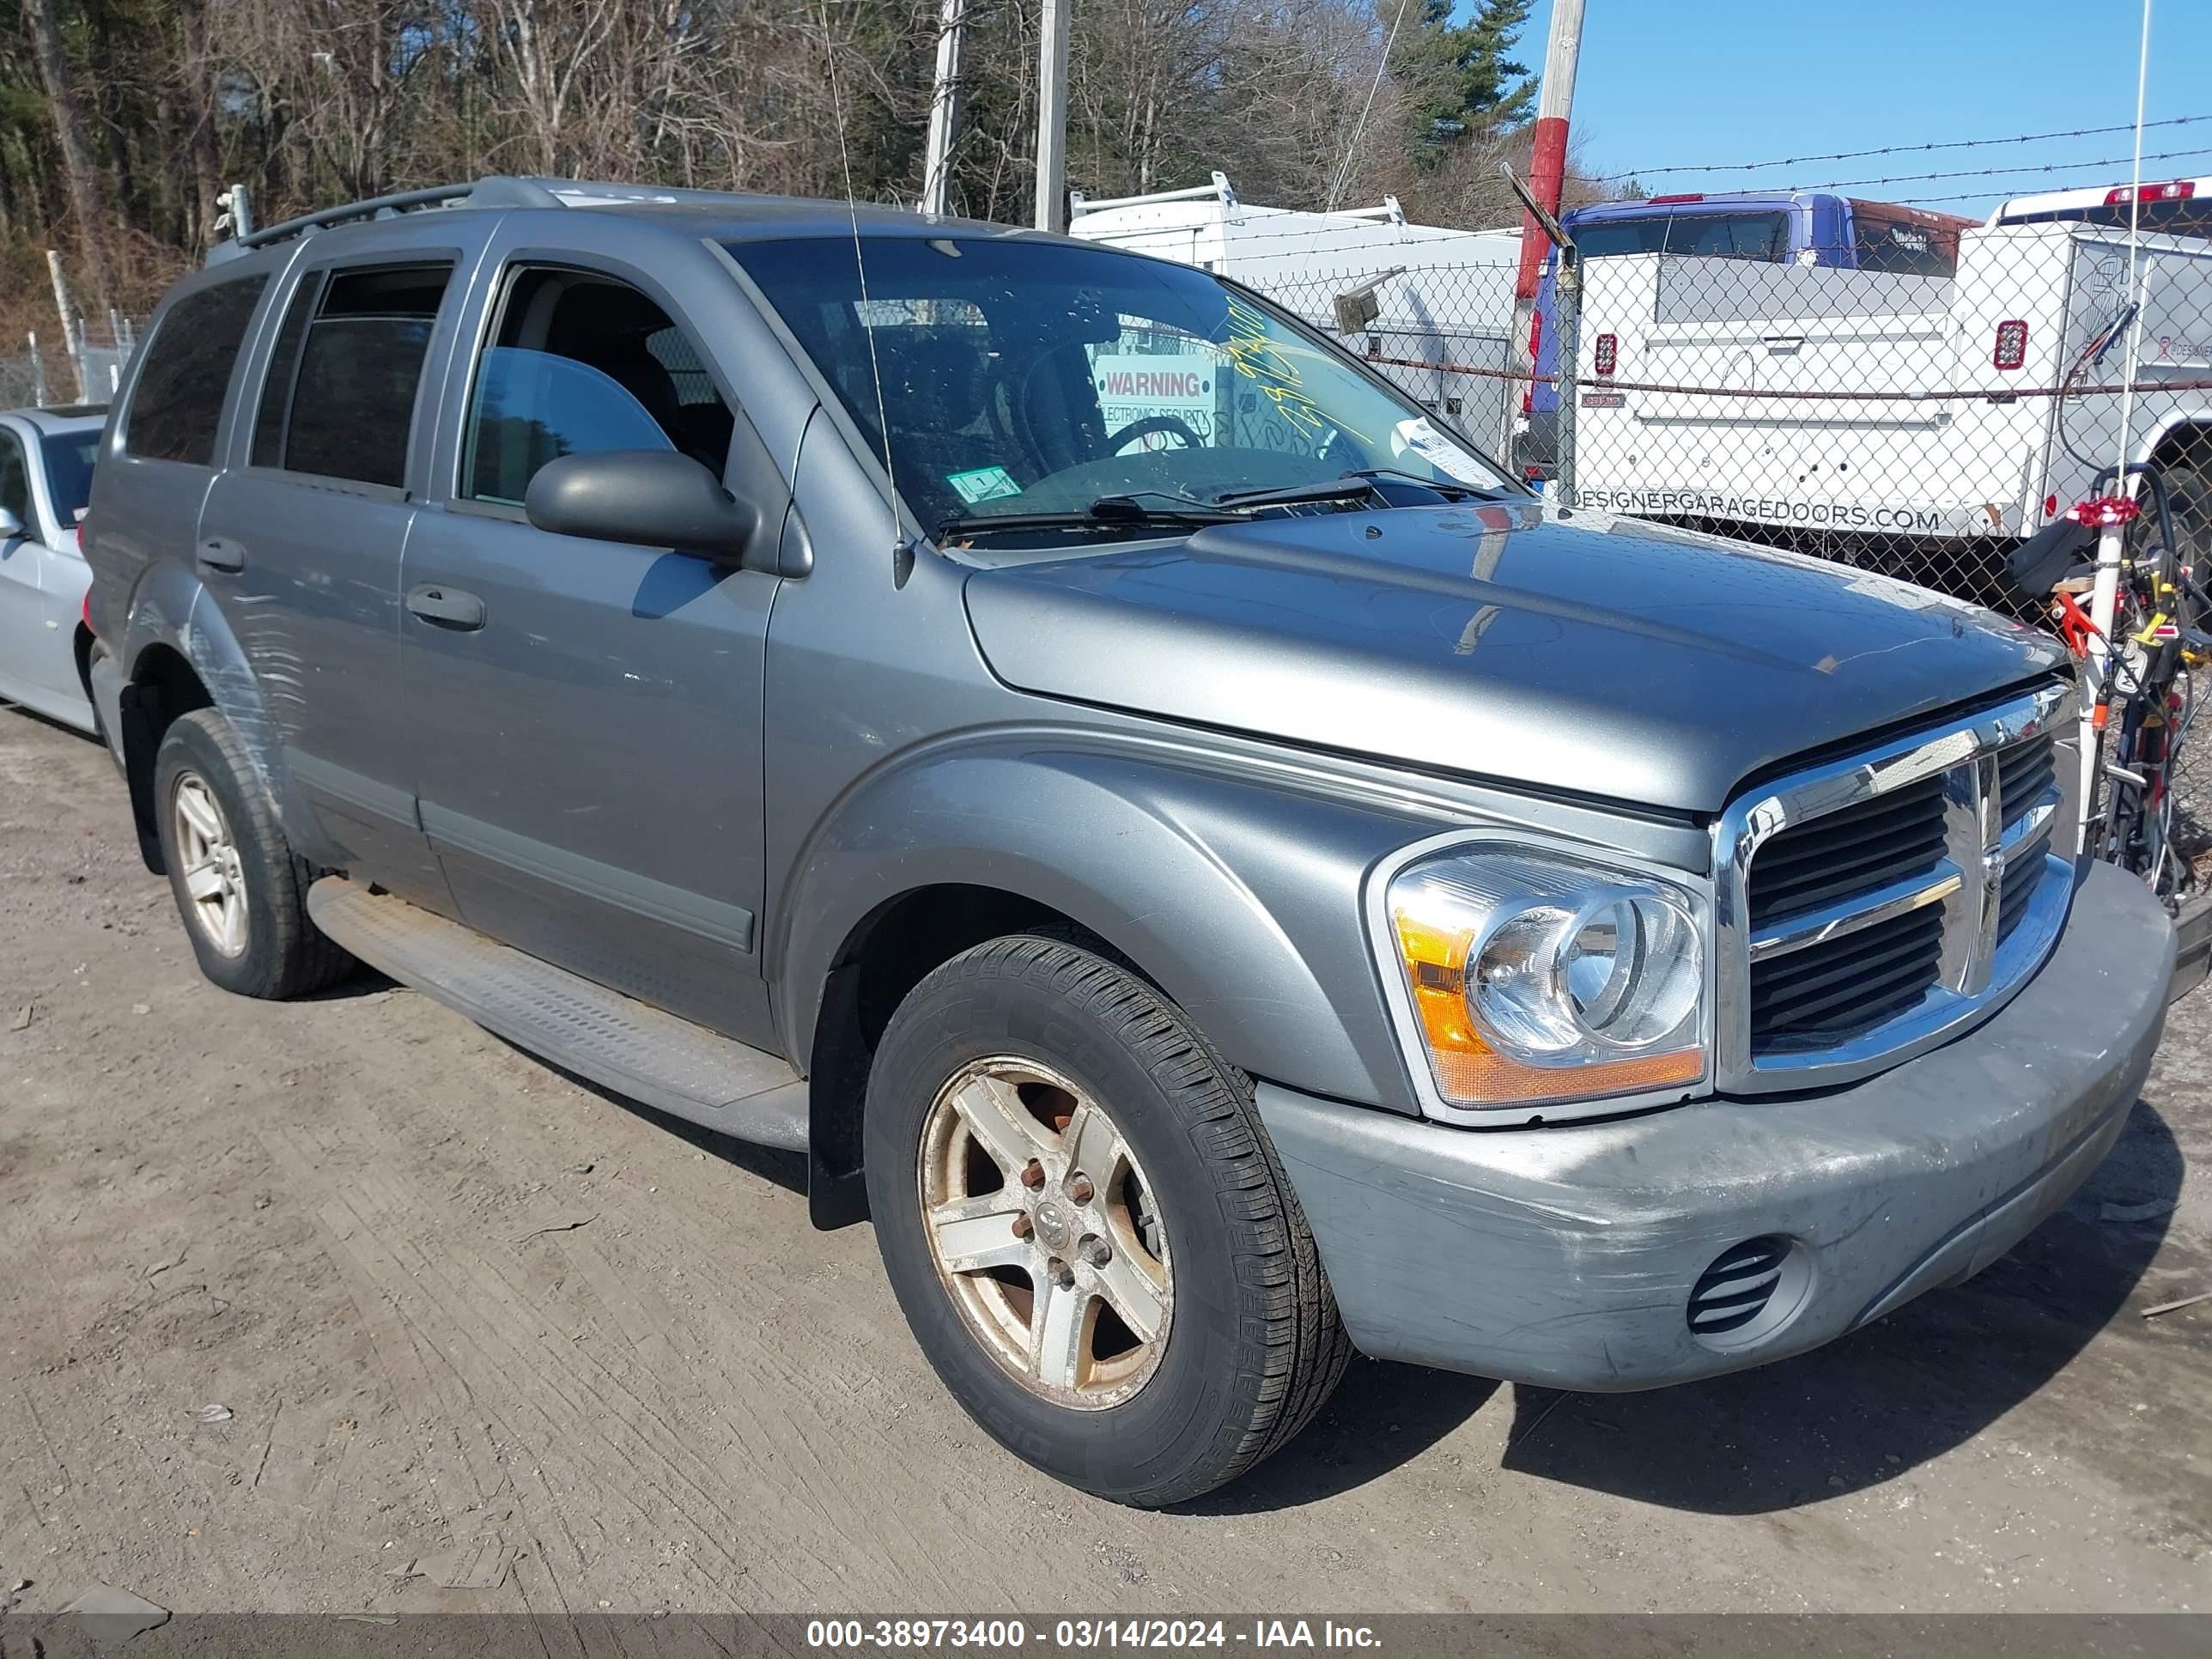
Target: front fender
x=1238 y=894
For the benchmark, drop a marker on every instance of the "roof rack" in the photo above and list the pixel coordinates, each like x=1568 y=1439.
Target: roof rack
x=1219 y=191
x=495 y=191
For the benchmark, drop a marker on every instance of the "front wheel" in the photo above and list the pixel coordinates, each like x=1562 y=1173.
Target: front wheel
x=1087 y=1229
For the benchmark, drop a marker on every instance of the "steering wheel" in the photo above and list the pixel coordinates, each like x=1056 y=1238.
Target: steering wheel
x=1150 y=424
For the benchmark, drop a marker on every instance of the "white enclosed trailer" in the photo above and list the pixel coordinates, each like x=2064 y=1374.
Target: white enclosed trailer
x=1431 y=307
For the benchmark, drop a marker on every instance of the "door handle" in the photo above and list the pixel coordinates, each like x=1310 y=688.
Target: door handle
x=220 y=558
x=446 y=607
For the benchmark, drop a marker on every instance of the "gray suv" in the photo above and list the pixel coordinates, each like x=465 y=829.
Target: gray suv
x=1216 y=872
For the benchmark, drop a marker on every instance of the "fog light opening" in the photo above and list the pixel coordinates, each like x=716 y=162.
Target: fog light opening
x=1752 y=1290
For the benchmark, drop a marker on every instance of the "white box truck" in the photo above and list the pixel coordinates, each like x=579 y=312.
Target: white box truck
x=1971 y=407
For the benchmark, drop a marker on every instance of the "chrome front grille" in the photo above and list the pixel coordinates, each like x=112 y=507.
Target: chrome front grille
x=1846 y=985
x=1872 y=906
x=1892 y=837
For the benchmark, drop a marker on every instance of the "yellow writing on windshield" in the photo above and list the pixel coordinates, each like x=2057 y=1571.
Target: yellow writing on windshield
x=1262 y=358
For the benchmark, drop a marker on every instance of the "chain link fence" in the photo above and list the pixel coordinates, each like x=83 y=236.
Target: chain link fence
x=86 y=371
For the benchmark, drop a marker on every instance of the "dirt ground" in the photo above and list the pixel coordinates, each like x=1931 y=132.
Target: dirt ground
x=474 y=1336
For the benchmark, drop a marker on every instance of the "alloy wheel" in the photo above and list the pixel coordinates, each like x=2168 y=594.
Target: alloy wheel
x=1045 y=1232
x=207 y=856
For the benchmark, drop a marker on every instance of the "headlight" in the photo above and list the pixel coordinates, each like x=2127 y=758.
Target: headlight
x=1533 y=977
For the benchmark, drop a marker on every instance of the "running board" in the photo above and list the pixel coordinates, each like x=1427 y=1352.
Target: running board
x=2192 y=948
x=616 y=1041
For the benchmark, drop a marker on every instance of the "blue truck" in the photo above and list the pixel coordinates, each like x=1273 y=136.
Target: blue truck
x=1808 y=228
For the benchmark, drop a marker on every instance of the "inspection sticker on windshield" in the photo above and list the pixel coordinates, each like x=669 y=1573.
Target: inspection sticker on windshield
x=985 y=483
x=1439 y=451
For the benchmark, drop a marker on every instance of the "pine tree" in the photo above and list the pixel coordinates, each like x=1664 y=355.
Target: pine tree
x=1461 y=81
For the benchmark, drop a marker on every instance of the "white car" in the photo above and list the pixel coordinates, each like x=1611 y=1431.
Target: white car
x=45 y=478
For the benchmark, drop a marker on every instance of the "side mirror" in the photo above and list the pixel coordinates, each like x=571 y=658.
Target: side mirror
x=648 y=497
x=10 y=526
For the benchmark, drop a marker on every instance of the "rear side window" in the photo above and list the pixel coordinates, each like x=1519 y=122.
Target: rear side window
x=178 y=400
x=69 y=456
x=352 y=353
x=1903 y=247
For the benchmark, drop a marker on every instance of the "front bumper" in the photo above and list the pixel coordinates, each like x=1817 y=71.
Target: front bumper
x=1567 y=1256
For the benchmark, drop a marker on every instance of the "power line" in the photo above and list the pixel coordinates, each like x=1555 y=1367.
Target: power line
x=1916 y=149
x=1342 y=176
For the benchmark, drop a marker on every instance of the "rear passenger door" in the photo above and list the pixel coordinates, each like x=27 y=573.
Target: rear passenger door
x=300 y=539
x=584 y=716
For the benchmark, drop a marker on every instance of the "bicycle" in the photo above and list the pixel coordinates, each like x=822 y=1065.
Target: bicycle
x=2139 y=675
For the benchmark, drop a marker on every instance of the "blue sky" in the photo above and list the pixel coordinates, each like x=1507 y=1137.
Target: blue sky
x=1697 y=82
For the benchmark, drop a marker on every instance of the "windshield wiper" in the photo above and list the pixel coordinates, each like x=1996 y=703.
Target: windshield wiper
x=1367 y=480
x=1345 y=489
x=1451 y=487
x=1107 y=513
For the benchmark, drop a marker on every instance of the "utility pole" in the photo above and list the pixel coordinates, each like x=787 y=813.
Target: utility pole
x=1547 y=168
x=944 y=109
x=1052 y=118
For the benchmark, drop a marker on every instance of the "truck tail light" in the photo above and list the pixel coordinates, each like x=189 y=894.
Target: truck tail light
x=1536 y=333
x=86 y=611
x=1529 y=401
x=2181 y=190
x=2011 y=350
x=1607 y=353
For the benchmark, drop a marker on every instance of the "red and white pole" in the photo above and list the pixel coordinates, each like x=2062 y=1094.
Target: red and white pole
x=1548 y=165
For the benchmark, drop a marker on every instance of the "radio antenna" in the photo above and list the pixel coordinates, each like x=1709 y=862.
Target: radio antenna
x=902 y=553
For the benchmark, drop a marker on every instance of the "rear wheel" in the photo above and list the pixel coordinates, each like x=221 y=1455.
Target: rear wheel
x=238 y=886
x=1087 y=1229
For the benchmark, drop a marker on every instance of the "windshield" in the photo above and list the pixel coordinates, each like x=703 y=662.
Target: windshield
x=1022 y=378
x=1724 y=235
x=69 y=470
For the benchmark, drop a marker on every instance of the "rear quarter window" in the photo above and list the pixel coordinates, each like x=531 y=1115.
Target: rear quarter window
x=1903 y=247
x=178 y=402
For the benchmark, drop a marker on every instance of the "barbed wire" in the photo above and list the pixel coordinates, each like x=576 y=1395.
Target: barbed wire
x=2002 y=172
x=1245 y=237
x=2002 y=195
x=1910 y=149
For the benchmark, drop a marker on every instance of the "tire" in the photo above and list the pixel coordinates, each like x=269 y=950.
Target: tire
x=1246 y=1342
x=2189 y=490
x=275 y=952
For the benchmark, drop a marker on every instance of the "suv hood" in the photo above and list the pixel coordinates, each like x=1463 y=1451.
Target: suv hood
x=1572 y=651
